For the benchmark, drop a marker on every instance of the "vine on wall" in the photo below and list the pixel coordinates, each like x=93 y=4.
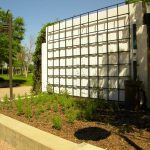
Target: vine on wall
x=37 y=59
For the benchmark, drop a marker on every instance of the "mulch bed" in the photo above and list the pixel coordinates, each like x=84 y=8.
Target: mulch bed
x=114 y=131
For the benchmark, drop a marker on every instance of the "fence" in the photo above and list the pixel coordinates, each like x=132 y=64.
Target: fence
x=90 y=55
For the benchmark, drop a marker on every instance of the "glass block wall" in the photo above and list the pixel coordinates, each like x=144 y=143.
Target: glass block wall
x=89 y=55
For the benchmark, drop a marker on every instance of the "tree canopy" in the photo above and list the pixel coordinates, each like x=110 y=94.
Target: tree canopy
x=18 y=30
x=134 y=1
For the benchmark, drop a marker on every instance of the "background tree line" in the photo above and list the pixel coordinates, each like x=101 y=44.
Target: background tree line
x=22 y=55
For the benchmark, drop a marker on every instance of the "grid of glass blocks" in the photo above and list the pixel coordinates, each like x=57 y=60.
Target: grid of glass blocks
x=89 y=54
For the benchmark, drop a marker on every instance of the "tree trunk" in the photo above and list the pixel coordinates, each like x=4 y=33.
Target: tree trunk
x=2 y=70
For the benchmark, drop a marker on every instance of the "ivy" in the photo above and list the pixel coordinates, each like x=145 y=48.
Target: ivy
x=37 y=59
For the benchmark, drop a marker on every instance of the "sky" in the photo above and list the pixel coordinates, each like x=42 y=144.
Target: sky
x=36 y=13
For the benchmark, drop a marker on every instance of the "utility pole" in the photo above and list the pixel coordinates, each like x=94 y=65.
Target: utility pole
x=10 y=55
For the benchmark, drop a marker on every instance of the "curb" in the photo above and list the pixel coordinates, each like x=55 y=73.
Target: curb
x=25 y=137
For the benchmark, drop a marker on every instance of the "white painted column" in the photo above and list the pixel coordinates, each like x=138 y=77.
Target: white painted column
x=142 y=58
x=44 y=67
x=137 y=14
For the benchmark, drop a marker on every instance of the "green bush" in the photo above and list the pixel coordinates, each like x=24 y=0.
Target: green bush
x=90 y=109
x=6 y=103
x=64 y=93
x=37 y=59
x=19 y=106
x=49 y=89
x=40 y=109
x=66 y=102
x=5 y=99
x=57 y=122
x=55 y=107
x=71 y=115
x=28 y=112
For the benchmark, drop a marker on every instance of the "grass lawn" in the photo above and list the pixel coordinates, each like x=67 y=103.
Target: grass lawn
x=82 y=120
x=18 y=80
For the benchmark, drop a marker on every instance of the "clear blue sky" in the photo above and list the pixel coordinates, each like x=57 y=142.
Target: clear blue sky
x=38 y=12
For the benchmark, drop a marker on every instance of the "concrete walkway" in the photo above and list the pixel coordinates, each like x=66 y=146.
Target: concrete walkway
x=16 y=90
x=5 y=146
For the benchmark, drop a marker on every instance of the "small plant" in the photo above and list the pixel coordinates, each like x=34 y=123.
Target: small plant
x=49 y=89
x=40 y=109
x=90 y=109
x=55 y=107
x=64 y=93
x=1 y=105
x=19 y=106
x=28 y=112
x=66 y=103
x=57 y=122
x=14 y=96
x=6 y=103
x=71 y=116
x=114 y=106
x=5 y=99
x=126 y=128
x=48 y=106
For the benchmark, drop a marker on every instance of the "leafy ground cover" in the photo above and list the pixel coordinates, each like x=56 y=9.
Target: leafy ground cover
x=18 y=80
x=82 y=120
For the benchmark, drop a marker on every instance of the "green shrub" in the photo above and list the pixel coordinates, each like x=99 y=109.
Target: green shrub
x=57 y=122
x=6 y=99
x=71 y=116
x=49 y=89
x=28 y=112
x=48 y=106
x=40 y=109
x=66 y=102
x=6 y=102
x=90 y=110
x=19 y=106
x=125 y=128
x=37 y=59
x=55 y=107
x=65 y=93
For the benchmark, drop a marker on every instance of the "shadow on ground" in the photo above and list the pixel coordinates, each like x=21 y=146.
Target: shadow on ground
x=5 y=83
x=92 y=133
x=125 y=119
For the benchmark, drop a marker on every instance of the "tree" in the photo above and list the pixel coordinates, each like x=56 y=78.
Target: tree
x=29 y=53
x=23 y=61
x=19 y=62
x=134 y=1
x=17 y=34
x=3 y=37
x=37 y=59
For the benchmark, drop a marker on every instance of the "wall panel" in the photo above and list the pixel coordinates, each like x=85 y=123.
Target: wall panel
x=88 y=55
